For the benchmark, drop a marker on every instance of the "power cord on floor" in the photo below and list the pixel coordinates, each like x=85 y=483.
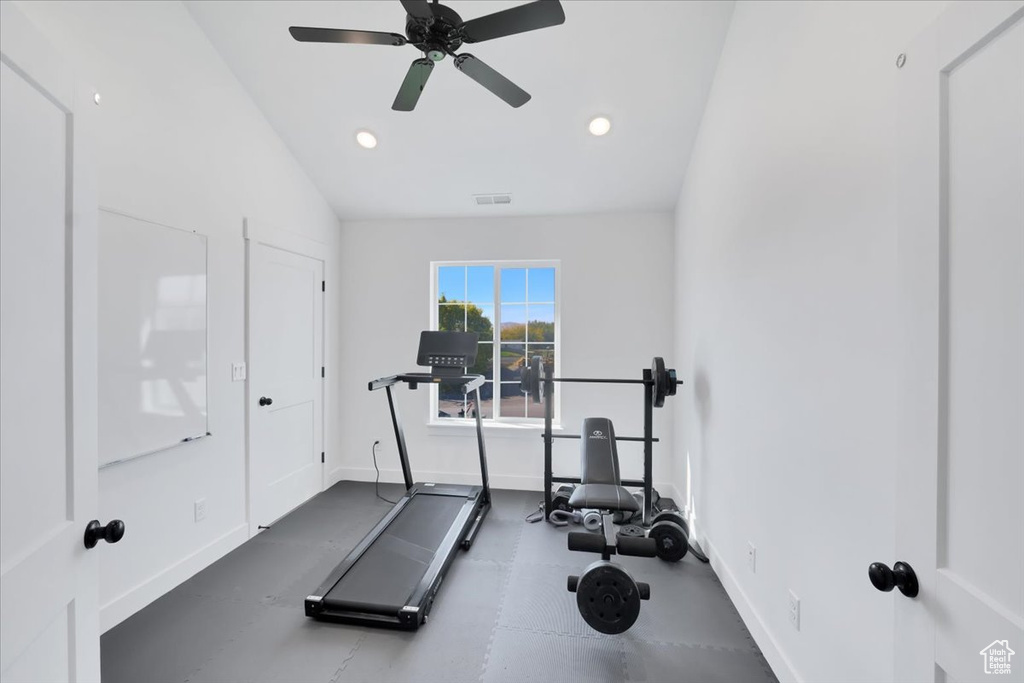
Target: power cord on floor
x=376 y=482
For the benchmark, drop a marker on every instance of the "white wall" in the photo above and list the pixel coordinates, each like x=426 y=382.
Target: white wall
x=181 y=143
x=616 y=315
x=786 y=275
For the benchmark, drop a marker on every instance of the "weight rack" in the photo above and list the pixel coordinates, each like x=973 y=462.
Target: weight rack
x=649 y=383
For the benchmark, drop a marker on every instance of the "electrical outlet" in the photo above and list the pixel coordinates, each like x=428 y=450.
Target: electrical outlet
x=794 y=610
x=238 y=372
x=199 y=509
x=752 y=557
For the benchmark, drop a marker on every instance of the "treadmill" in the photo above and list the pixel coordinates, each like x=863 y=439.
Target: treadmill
x=392 y=576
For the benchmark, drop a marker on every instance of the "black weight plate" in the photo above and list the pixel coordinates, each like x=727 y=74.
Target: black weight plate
x=665 y=504
x=673 y=516
x=660 y=378
x=608 y=597
x=632 y=530
x=536 y=372
x=526 y=379
x=671 y=539
x=673 y=382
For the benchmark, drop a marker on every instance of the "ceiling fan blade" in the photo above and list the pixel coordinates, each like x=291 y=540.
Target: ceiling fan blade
x=308 y=34
x=492 y=80
x=528 y=17
x=412 y=86
x=420 y=9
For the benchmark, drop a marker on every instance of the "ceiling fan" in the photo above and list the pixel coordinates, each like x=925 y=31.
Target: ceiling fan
x=437 y=31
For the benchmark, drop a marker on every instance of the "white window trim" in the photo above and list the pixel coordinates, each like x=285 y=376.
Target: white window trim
x=510 y=425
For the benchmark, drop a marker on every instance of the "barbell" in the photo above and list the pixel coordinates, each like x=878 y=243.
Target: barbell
x=663 y=380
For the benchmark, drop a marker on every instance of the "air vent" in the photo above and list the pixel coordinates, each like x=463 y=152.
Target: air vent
x=482 y=199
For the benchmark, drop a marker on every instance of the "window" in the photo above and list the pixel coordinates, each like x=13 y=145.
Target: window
x=513 y=306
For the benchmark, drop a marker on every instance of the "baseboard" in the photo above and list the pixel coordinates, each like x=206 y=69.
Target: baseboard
x=781 y=666
x=498 y=481
x=134 y=599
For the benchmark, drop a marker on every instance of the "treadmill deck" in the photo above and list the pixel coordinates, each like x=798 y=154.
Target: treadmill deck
x=391 y=577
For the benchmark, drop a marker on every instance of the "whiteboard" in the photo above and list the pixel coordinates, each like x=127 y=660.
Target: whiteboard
x=151 y=337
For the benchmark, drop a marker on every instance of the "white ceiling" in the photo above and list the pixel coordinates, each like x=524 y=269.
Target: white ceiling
x=646 y=64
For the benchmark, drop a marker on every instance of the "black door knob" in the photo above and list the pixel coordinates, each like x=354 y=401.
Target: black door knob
x=901 y=576
x=111 y=533
x=265 y=401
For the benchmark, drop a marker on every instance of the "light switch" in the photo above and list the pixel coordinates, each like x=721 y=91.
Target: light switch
x=238 y=372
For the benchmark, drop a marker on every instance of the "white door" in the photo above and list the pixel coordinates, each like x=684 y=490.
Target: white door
x=960 y=467
x=49 y=630
x=285 y=381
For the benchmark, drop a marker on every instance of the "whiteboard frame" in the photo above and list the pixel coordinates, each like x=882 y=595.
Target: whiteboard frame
x=206 y=263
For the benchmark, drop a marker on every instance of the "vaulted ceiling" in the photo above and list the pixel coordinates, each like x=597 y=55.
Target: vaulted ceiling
x=645 y=64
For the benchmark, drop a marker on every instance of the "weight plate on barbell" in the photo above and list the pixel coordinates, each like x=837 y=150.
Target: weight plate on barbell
x=671 y=540
x=526 y=379
x=536 y=369
x=608 y=597
x=660 y=378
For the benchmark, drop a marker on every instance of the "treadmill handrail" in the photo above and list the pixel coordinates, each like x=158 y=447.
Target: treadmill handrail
x=469 y=382
x=382 y=382
x=470 y=386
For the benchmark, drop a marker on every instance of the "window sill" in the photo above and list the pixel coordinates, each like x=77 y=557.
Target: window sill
x=498 y=429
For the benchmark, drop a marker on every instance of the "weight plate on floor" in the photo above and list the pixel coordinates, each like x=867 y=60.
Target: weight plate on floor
x=591 y=520
x=665 y=504
x=608 y=597
x=632 y=530
x=672 y=541
x=560 y=501
x=673 y=516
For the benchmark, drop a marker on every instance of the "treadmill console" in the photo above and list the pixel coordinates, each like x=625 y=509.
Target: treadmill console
x=447 y=354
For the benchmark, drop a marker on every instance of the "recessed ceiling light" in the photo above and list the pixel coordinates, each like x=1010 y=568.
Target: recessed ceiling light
x=599 y=125
x=366 y=139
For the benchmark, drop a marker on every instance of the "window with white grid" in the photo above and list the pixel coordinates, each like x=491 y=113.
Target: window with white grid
x=513 y=306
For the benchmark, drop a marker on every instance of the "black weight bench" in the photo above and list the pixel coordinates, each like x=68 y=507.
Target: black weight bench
x=607 y=596
x=599 y=470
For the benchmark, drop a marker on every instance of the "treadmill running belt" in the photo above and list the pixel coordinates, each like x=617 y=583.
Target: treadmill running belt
x=390 y=569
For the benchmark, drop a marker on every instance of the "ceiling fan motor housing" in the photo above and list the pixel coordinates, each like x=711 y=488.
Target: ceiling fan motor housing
x=438 y=36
